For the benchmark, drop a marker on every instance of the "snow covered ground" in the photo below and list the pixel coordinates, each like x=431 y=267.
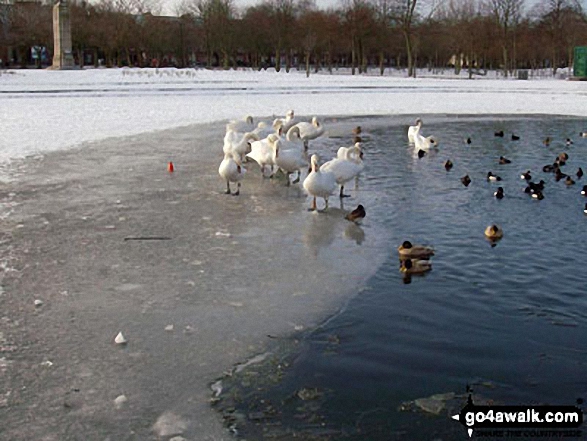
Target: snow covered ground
x=43 y=110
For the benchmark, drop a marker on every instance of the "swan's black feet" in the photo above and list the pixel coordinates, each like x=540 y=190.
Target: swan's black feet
x=295 y=181
x=227 y=192
x=345 y=196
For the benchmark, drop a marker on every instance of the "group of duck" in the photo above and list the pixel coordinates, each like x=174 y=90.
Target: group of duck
x=283 y=146
x=423 y=144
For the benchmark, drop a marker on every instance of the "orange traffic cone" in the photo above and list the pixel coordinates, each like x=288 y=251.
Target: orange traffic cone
x=170 y=167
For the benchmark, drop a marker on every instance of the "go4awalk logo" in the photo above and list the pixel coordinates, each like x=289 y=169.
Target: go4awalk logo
x=521 y=417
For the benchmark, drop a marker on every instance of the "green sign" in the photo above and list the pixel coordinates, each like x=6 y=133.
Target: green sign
x=580 y=63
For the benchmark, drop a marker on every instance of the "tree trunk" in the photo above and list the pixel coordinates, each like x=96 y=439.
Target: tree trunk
x=381 y=63
x=307 y=64
x=278 y=59
x=505 y=61
x=409 y=53
x=353 y=56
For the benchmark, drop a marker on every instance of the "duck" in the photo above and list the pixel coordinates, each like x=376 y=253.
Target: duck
x=515 y=137
x=569 y=181
x=231 y=170
x=583 y=134
x=263 y=153
x=415 y=266
x=546 y=141
x=466 y=180
x=244 y=125
x=357 y=130
x=568 y=141
x=289 y=160
x=503 y=160
x=585 y=209
x=536 y=186
x=448 y=165
x=357 y=215
x=499 y=193
x=344 y=169
x=412 y=130
x=408 y=251
x=499 y=134
x=579 y=173
x=319 y=183
x=493 y=232
x=548 y=168
x=527 y=176
x=558 y=175
x=538 y=195
x=493 y=178
x=468 y=141
x=562 y=157
x=238 y=143
x=584 y=191
x=310 y=130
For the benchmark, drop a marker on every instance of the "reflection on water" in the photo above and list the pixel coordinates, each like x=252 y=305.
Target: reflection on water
x=507 y=320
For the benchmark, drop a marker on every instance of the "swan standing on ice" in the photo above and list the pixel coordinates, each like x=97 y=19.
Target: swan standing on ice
x=232 y=171
x=342 y=152
x=319 y=183
x=292 y=154
x=238 y=143
x=263 y=129
x=412 y=130
x=309 y=131
x=263 y=152
x=345 y=169
x=244 y=125
x=288 y=122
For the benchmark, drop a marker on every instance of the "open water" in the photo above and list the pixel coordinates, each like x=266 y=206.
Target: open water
x=507 y=322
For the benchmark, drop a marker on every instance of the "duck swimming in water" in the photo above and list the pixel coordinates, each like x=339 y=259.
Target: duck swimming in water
x=408 y=251
x=503 y=160
x=466 y=180
x=493 y=178
x=448 y=165
x=493 y=232
x=499 y=193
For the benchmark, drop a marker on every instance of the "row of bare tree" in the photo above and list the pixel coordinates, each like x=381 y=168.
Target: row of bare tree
x=478 y=34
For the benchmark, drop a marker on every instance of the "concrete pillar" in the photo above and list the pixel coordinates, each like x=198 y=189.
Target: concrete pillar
x=62 y=55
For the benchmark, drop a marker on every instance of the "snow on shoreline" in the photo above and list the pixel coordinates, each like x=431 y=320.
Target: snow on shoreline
x=44 y=110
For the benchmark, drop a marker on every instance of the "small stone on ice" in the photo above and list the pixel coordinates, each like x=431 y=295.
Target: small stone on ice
x=38 y=302
x=47 y=363
x=120 y=340
x=120 y=401
x=169 y=328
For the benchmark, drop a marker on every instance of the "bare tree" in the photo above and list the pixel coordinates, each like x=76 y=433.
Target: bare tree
x=506 y=14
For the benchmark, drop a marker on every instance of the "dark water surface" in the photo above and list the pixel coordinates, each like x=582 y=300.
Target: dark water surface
x=509 y=321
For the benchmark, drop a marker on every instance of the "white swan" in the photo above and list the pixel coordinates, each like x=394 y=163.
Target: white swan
x=263 y=152
x=290 y=160
x=238 y=144
x=244 y=125
x=263 y=129
x=232 y=171
x=343 y=151
x=288 y=122
x=423 y=143
x=309 y=131
x=412 y=130
x=345 y=169
x=319 y=183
